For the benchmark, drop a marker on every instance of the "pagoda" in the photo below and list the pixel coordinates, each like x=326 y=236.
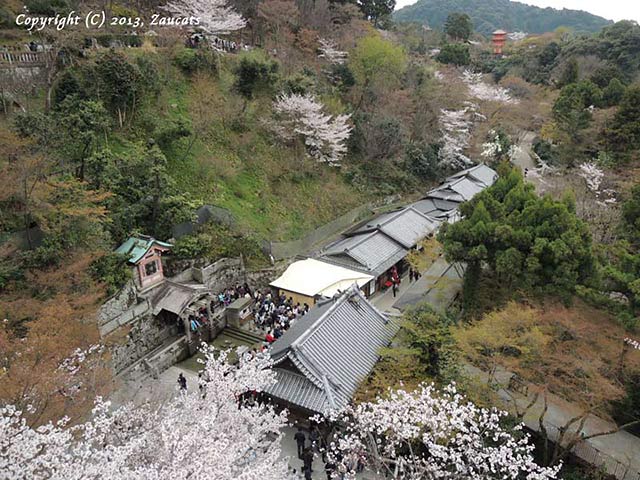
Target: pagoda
x=499 y=38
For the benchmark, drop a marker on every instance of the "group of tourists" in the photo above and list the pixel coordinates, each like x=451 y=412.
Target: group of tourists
x=276 y=314
x=199 y=319
x=231 y=294
x=395 y=280
x=197 y=39
x=414 y=274
x=226 y=45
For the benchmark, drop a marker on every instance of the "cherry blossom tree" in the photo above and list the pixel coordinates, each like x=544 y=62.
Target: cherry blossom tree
x=484 y=91
x=329 y=50
x=214 y=17
x=633 y=343
x=456 y=127
x=324 y=135
x=429 y=434
x=197 y=435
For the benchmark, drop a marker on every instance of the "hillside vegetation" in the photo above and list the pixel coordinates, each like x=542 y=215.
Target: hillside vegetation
x=490 y=15
x=133 y=134
x=320 y=111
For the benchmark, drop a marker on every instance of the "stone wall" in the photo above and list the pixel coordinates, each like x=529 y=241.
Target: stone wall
x=118 y=304
x=171 y=355
x=262 y=278
x=146 y=334
x=221 y=274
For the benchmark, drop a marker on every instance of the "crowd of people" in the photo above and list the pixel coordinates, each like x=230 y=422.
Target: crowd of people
x=231 y=294
x=275 y=314
x=272 y=314
x=197 y=39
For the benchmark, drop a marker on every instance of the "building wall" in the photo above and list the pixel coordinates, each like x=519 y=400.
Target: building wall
x=298 y=297
x=117 y=304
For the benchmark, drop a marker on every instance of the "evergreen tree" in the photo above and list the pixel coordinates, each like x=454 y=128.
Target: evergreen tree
x=613 y=93
x=624 y=134
x=458 y=26
x=523 y=241
x=569 y=74
x=376 y=10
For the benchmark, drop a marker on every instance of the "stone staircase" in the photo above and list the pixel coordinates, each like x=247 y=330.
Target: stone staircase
x=243 y=336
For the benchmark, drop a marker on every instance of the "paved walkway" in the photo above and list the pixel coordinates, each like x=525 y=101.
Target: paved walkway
x=158 y=390
x=618 y=452
x=438 y=285
x=522 y=157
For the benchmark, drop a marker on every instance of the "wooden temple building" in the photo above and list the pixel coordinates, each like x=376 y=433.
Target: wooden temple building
x=144 y=253
x=323 y=358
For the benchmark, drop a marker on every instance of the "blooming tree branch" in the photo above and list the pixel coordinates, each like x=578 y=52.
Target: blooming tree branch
x=429 y=434
x=593 y=176
x=329 y=50
x=456 y=126
x=483 y=91
x=215 y=17
x=197 y=435
x=325 y=136
x=633 y=343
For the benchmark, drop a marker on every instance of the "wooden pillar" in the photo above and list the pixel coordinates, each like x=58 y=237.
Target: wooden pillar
x=210 y=315
x=187 y=326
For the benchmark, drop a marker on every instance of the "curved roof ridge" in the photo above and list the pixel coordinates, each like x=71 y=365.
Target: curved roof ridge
x=312 y=328
x=307 y=367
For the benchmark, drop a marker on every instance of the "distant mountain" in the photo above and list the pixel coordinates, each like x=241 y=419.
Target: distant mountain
x=490 y=15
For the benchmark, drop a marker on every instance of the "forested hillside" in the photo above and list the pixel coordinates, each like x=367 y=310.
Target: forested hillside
x=123 y=134
x=491 y=15
x=275 y=118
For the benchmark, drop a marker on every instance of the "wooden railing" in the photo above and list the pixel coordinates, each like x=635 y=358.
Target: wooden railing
x=24 y=58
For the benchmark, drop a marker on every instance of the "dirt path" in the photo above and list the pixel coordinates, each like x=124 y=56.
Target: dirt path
x=523 y=157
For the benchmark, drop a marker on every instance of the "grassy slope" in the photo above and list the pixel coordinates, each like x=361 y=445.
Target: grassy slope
x=272 y=191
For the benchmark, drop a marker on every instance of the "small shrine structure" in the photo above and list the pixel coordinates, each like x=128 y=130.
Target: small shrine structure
x=145 y=254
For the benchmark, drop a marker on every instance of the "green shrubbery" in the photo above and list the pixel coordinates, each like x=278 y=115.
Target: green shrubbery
x=215 y=242
x=112 y=270
x=454 y=53
x=196 y=60
x=520 y=240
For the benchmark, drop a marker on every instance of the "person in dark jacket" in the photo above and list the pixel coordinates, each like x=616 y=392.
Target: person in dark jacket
x=300 y=439
x=329 y=468
x=182 y=382
x=307 y=459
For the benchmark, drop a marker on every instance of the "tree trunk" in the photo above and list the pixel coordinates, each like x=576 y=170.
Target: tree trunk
x=26 y=216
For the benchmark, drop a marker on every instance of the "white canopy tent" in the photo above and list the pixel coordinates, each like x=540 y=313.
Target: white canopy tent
x=312 y=277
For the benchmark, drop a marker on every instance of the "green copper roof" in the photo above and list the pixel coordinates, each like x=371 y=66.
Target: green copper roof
x=137 y=247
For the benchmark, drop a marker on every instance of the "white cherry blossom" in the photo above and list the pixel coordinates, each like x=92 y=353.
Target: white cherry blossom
x=431 y=434
x=324 y=135
x=198 y=435
x=329 y=51
x=214 y=17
